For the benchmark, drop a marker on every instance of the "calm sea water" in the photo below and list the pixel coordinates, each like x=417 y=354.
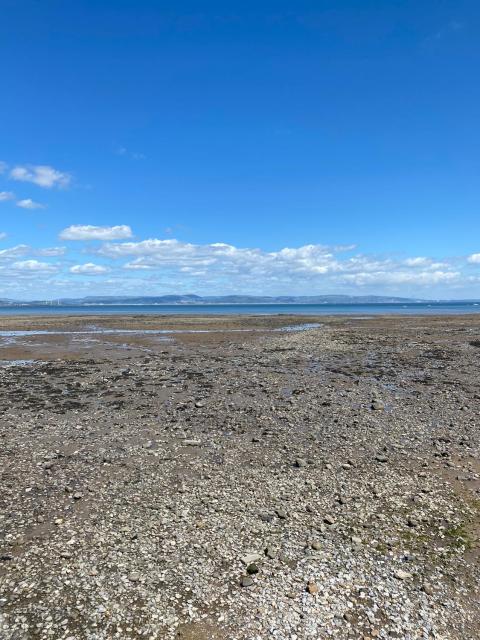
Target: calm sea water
x=432 y=308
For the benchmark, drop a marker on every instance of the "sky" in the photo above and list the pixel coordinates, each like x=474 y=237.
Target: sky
x=267 y=147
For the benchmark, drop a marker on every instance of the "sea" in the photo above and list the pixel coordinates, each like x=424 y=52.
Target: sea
x=356 y=310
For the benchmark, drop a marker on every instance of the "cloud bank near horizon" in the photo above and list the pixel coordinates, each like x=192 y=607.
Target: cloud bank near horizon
x=105 y=260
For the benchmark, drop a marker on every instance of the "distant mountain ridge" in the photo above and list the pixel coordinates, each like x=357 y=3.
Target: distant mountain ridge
x=182 y=299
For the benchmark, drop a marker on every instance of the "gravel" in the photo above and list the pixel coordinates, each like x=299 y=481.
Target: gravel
x=302 y=485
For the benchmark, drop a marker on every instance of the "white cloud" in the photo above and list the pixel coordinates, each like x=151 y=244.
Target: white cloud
x=51 y=251
x=41 y=175
x=420 y=278
x=307 y=267
x=474 y=258
x=34 y=265
x=25 y=249
x=13 y=252
x=90 y=232
x=417 y=262
x=3 y=235
x=30 y=204
x=166 y=266
x=6 y=195
x=134 y=155
x=3 y=166
x=426 y=263
x=89 y=268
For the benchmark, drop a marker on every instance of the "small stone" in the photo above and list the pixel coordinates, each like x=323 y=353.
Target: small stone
x=412 y=522
x=281 y=514
x=300 y=463
x=428 y=589
x=250 y=558
x=134 y=576
x=402 y=575
x=266 y=517
x=356 y=540
x=316 y=545
x=246 y=581
x=66 y=555
x=77 y=495
x=377 y=405
x=5 y=557
x=312 y=588
x=199 y=404
x=371 y=617
x=252 y=569
x=381 y=458
x=271 y=553
x=329 y=519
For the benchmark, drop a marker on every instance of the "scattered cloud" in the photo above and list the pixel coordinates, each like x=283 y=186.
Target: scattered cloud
x=134 y=155
x=427 y=263
x=417 y=262
x=6 y=195
x=35 y=265
x=51 y=251
x=419 y=278
x=445 y=32
x=30 y=204
x=3 y=235
x=474 y=258
x=42 y=175
x=90 y=232
x=89 y=268
x=3 y=166
x=454 y=26
x=25 y=249
x=18 y=250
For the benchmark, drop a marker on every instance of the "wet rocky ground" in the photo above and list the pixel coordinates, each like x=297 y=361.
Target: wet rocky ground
x=240 y=484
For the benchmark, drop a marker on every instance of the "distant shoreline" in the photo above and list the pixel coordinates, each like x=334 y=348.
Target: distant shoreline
x=238 y=308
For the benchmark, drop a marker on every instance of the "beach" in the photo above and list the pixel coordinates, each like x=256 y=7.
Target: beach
x=239 y=477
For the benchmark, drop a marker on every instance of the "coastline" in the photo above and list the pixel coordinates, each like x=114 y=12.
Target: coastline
x=258 y=308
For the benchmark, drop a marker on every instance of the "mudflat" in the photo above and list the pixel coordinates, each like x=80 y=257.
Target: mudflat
x=237 y=479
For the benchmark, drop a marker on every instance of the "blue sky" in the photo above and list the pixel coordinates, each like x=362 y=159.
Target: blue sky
x=239 y=147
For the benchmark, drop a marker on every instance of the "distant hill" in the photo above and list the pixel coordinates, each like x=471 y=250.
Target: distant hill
x=200 y=300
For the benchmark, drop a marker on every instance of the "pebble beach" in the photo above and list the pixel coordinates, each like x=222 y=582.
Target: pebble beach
x=239 y=478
